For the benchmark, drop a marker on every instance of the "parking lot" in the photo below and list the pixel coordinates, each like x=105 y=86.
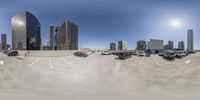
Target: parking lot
x=99 y=77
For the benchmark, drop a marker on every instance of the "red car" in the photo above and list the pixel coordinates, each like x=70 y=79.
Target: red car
x=80 y=54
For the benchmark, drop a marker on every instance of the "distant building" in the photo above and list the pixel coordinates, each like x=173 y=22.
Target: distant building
x=3 y=42
x=148 y=45
x=122 y=45
x=190 y=41
x=67 y=36
x=166 y=47
x=156 y=45
x=171 y=45
x=56 y=37
x=112 y=46
x=181 y=45
x=51 y=37
x=25 y=32
x=141 y=45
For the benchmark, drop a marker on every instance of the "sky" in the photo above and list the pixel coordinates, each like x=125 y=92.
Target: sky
x=103 y=21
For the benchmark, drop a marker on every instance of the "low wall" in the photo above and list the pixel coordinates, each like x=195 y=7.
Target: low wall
x=47 y=53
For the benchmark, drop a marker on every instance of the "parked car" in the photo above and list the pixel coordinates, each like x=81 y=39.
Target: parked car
x=12 y=53
x=105 y=53
x=161 y=53
x=124 y=55
x=178 y=54
x=80 y=54
x=115 y=52
x=141 y=53
x=135 y=52
x=169 y=55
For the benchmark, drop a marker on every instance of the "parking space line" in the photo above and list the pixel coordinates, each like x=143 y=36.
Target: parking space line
x=155 y=60
x=141 y=60
x=51 y=65
x=65 y=61
x=33 y=62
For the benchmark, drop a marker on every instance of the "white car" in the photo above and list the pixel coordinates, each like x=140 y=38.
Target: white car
x=141 y=53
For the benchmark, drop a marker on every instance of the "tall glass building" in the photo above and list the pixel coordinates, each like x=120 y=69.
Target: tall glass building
x=25 y=32
x=67 y=36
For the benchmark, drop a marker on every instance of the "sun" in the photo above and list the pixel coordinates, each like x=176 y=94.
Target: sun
x=175 y=23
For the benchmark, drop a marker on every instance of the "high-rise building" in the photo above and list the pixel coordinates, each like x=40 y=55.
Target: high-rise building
x=166 y=47
x=181 y=45
x=25 y=32
x=171 y=45
x=112 y=46
x=68 y=36
x=51 y=37
x=141 y=45
x=56 y=37
x=190 y=41
x=122 y=45
x=156 y=45
x=3 y=42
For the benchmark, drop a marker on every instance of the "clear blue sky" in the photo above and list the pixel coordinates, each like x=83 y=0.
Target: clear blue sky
x=103 y=21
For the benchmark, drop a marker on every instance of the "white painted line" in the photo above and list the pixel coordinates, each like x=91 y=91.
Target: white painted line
x=187 y=62
x=141 y=60
x=50 y=63
x=155 y=60
x=1 y=63
x=33 y=62
x=66 y=61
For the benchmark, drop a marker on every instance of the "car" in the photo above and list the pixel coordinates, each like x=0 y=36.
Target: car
x=80 y=54
x=135 y=53
x=114 y=52
x=141 y=53
x=105 y=53
x=169 y=55
x=124 y=55
x=178 y=54
x=161 y=53
x=12 y=53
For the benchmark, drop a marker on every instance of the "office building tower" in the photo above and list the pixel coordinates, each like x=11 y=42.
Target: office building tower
x=166 y=47
x=171 y=45
x=68 y=36
x=51 y=37
x=122 y=45
x=190 y=41
x=3 y=42
x=25 y=32
x=141 y=45
x=181 y=45
x=156 y=45
x=112 y=46
x=56 y=37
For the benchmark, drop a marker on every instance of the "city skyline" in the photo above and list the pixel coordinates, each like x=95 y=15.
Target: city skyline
x=132 y=23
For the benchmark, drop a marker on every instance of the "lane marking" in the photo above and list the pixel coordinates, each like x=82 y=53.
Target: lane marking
x=141 y=60
x=187 y=62
x=50 y=63
x=155 y=60
x=65 y=61
x=33 y=62
x=1 y=63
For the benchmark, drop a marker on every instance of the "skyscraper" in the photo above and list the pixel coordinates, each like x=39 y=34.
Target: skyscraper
x=190 y=41
x=3 y=42
x=122 y=45
x=171 y=45
x=25 y=32
x=56 y=37
x=141 y=45
x=112 y=46
x=51 y=37
x=181 y=45
x=68 y=36
x=156 y=45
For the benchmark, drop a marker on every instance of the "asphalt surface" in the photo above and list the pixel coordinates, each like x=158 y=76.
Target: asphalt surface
x=99 y=77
